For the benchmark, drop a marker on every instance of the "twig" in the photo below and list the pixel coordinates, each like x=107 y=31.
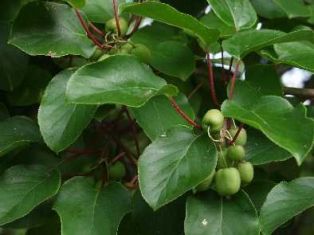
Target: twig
x=137 y=24
x=237 y=134
x=88 y=32
x=211 y=80
x=182 y=113
x=96 y=30
x=117 y=158
x=301 y=92
x=223 y=74
x=233 y=80
x=116 y=16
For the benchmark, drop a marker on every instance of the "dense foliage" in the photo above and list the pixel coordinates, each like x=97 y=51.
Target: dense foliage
x=156 y=117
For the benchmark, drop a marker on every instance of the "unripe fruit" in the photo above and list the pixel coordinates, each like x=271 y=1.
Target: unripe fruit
x=117 y=171
x=126 y=48
x=214 y=119
x=111 y=26
x=227 y=181
x=142 y=53
x=236 y=153
x=206 y=183
x=246 y=171
x=242 y=137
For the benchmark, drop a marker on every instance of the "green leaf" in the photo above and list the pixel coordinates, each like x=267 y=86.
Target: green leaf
x=87 y=210
x=13 y=62
x=99 y=11
x=151 y=117
x=51 y=29
x=173 y=164
x=60 y=122
x=119 y=79
x=268 y=9
x=283 y=124
x=29 y=92
x=298 y=54
x=174 y=59
x=77 y=3
x=258 y=191
x=212 y=21
x=17 y=132
x=208 y=213
x=22 y=188
x=170 y=54
x=285 y=201
x=264 y=79
x=294 y=8
x=260 y=150
x=242 y=43
x=169 y=15
x=168 y=220
x=237 y=13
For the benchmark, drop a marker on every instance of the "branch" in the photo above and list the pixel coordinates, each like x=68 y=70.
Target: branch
x=88 y=32
x=211 y=80
x=116 y=16
x=233 y=80
x=300 y=92
x=182 y=113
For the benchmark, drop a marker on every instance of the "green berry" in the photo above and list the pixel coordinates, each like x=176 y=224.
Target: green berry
x=117 y=171
x=227 y=181
x=206 y=183
x=236 y=153
x=214 y=119
x=111 y=26
x=242 y=137
x=246 y=171
x=142 y=53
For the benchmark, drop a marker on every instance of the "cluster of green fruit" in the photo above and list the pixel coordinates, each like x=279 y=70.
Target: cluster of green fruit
x=232 y=170
x=136 y=49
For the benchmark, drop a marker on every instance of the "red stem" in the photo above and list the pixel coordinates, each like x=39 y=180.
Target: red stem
x=133 y=132
x=96 y=30
x=223 y=74
x=211 y=80
x=116 y=16
x=117 y=158
x=237 y=134
x=88 y=32
x=182 y=113
x=137 y=24
x=233 y=80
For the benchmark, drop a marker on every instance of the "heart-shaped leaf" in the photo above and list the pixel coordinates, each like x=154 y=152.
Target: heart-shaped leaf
x=169 y=15
x=60 y=122
x=208 y=213
x=119 y=79
x=285 y=201
x=85 y=209
x=22 y=188
x=173 y=164
x=51 y=29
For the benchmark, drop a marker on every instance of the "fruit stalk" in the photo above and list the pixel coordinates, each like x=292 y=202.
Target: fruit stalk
x=211 y=80
x=116 y=16
x=182 y=113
